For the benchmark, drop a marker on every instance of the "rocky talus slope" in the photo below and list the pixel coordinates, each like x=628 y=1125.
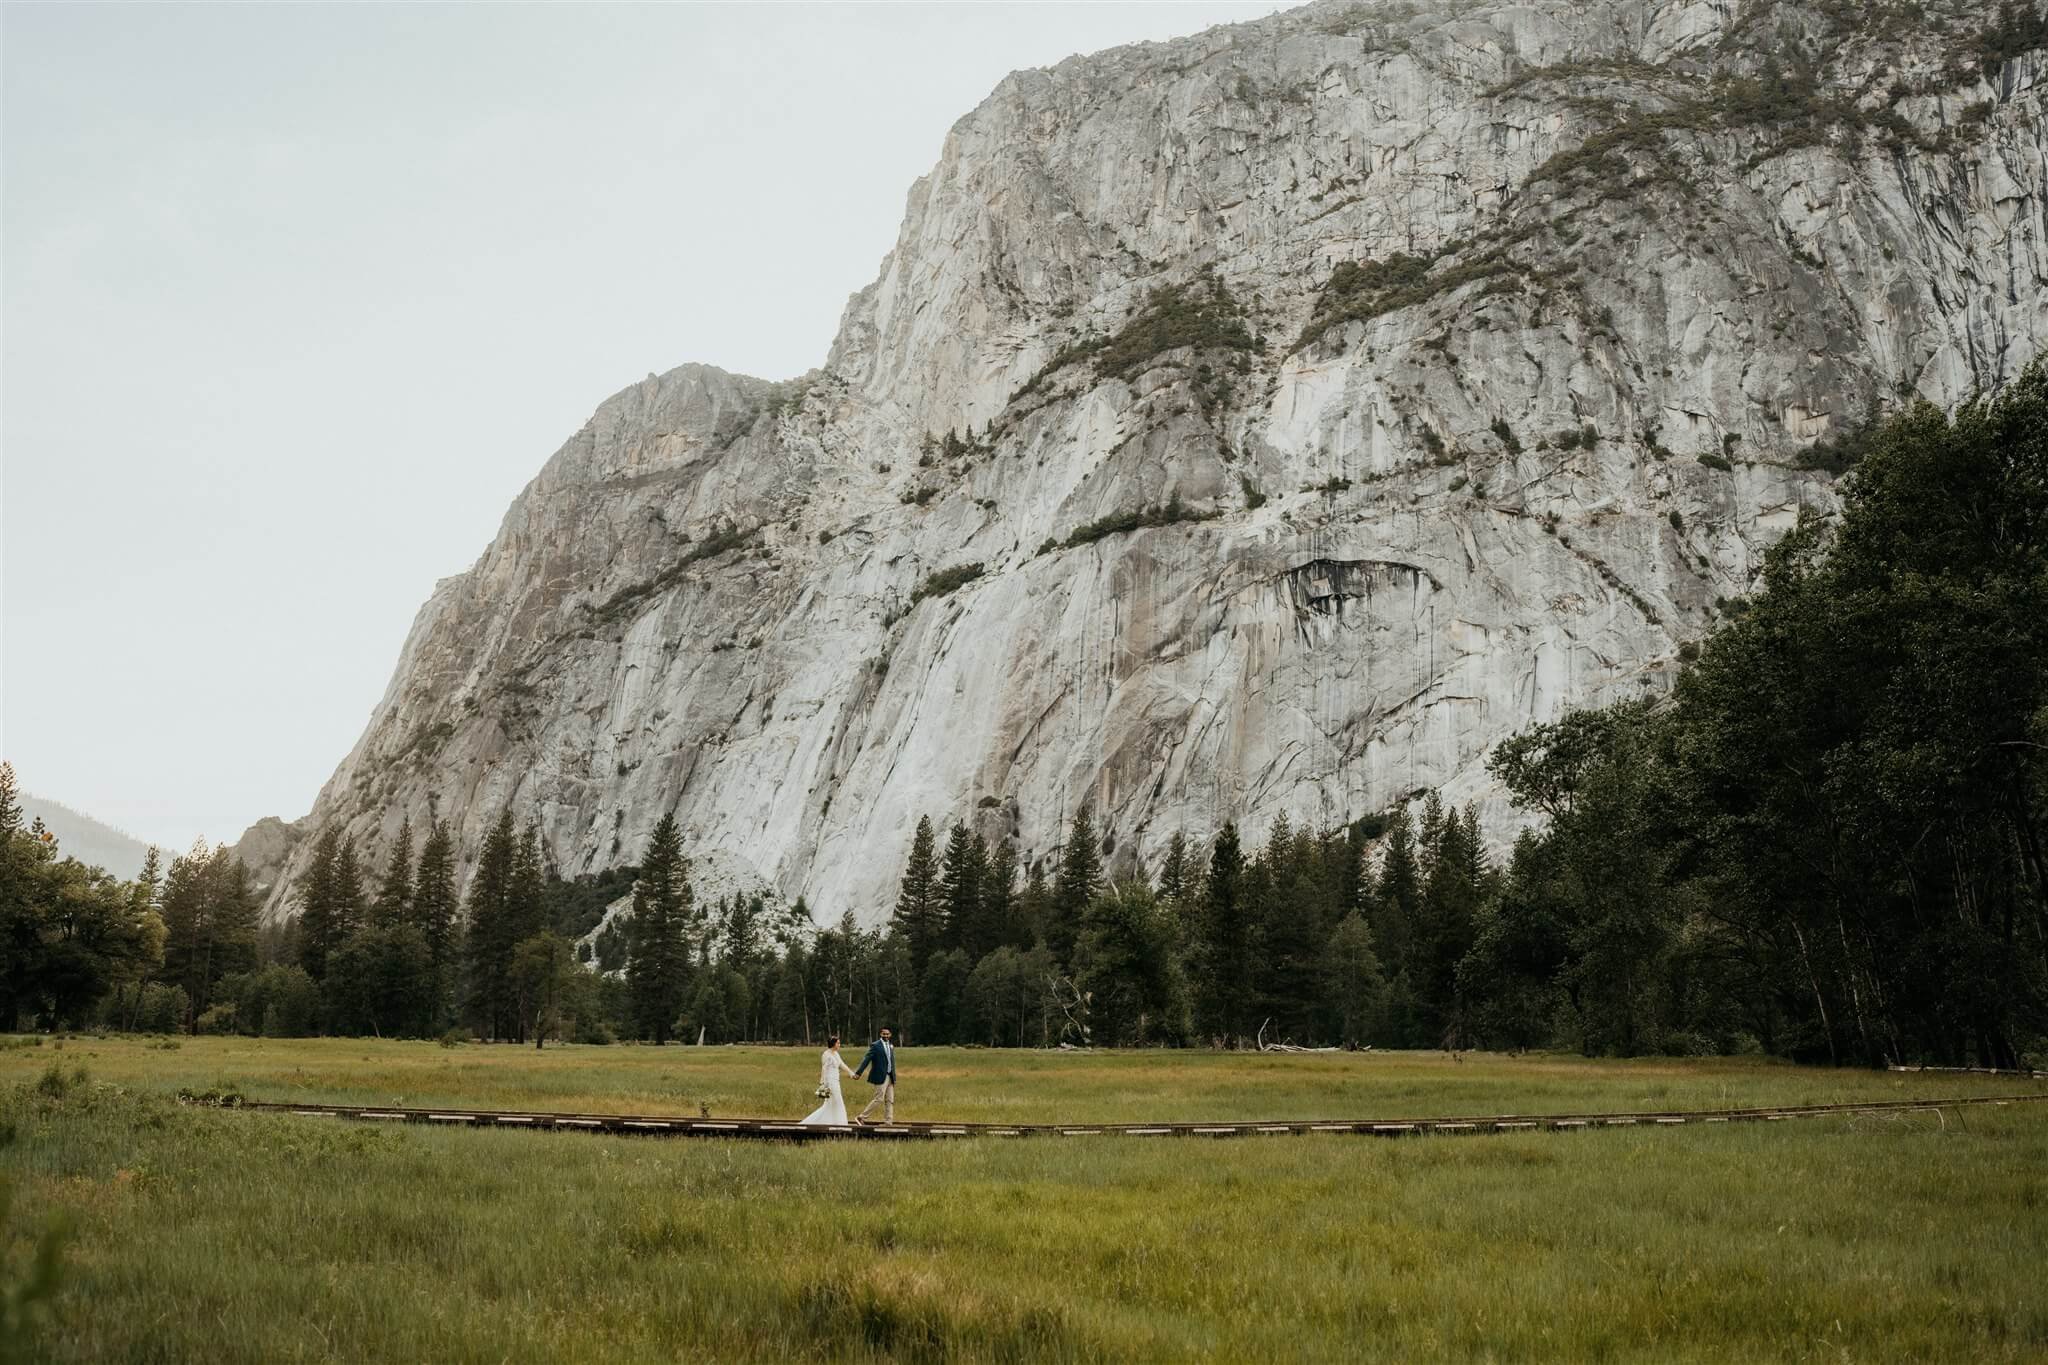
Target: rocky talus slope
x=1270 y=420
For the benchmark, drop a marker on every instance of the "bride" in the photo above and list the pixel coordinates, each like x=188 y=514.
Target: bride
x=830 y=1064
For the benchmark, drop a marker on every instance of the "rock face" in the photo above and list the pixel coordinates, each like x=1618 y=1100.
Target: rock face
x=1451 y=365
x=266 y=848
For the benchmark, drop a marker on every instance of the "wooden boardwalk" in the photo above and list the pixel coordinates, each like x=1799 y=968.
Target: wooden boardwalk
x=673 y=1125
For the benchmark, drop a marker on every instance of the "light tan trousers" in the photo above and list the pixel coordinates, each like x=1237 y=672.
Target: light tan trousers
x=885 y=1095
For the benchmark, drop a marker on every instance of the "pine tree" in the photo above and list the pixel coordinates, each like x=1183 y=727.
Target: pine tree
x=209 y=918
x=657 y=973
x=1395 y=921
x=188 y=924
x=143 y=893
x=1034 y=909
x=527 y=904
x=960 y=877
x=994 y=924
x=395 y=898
x=236 y=915
x=1080 y=881
x=1451 y=894
x=490 y=941
x=1355 y=883
x=1399 y=902
x=1293 y=929
x=348 y=890
x=10 y=801
x=919 y=907
x=1177 y=873
x=433 y=913
x=525 y=917
x=740 y=929
x=321 y=926
x=1354 y=991
x=1223 y=988
x=23 y=950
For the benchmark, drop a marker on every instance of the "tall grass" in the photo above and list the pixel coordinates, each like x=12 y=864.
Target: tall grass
x=976 y=1085
x=255 y=1237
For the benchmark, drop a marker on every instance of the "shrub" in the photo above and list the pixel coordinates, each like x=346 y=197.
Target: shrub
x=1118 y=522
x=162 y=1009
x=1717 y=462
x=1201 y=315
x=724 y=538
x=279 y=1001
x=1253 y=498
x=1506 y=434
x=595 y=1032
x=1677 y=520
x=453 y=1038
x=219 y=1018
x=56 y=1082
x=946 y=581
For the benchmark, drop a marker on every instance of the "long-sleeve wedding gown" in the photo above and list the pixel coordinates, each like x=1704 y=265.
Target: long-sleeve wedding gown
x=833 y=1110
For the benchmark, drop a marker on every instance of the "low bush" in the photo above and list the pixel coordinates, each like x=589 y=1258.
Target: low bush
x=1171 y=513
x=946 y=581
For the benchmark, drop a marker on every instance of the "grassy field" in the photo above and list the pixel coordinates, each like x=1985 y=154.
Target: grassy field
x=968 y=1085
x=223 y=1236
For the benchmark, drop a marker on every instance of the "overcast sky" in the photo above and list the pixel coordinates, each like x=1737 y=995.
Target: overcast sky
x=293 y=301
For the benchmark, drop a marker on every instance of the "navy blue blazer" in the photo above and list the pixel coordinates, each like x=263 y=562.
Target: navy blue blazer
x=879 y=1063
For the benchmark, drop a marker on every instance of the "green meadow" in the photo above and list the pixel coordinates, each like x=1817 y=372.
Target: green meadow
x=205 y=1234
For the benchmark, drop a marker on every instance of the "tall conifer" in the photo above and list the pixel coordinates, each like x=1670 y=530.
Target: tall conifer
x=394 y=899
x=1223 y=979
x=960 y=878
x=919 y=904
x=1079 y=881
x=490 y=919
x=994 y=924
x=433 y=913
x=349 y=900
x=657 y=973
x=321 y=926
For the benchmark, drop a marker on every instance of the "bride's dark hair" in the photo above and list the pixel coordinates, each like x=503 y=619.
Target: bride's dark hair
x=833 y=1041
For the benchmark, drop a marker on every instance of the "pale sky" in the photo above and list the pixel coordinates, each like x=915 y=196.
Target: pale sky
x=294 y=300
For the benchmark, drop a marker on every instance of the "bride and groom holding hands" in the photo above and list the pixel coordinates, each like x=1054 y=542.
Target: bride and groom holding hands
x=880 y=1067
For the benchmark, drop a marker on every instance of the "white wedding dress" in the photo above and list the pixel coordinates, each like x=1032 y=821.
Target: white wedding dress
x=833 y=1110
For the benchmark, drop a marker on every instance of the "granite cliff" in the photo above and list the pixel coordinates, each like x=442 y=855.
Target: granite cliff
x=1269 y=420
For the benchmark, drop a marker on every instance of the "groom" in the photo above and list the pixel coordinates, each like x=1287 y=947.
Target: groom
x=880 y=1065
